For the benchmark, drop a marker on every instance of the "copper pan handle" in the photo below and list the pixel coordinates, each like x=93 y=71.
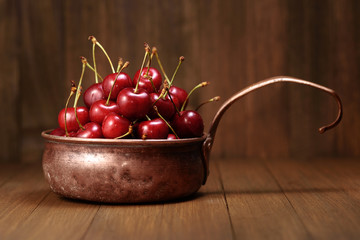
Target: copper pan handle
x=207 y=145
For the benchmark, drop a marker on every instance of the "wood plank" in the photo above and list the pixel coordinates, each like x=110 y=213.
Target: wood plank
x=257 y=206
x=343 y=173
x=42 y=84
x=327 y=209
x=8 y=170
x=9 y=82
x=249 y=41
x=20 y=196
x=42 y=64
x=203 y=216
x=57 y=218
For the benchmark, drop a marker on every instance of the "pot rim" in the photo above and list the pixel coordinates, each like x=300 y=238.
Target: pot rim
x=121 y=142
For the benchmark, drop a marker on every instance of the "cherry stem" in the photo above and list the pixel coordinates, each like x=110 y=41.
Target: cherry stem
x=157 y=111
x=89 y=66
x=152 y=83
x=214 y=99
x=168 y=84
x=78 y=91
x=147 y=51
x=148 y=68
x=203 y=84
x=177 y=110
x=126 y=134
x=72 y=92
x=149 y=63
x=154 y=51
x=181 y=59
x=120 y=63
x=112 y=87
x=93 y=40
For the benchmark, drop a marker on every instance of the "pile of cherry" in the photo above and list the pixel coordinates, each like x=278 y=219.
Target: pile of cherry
x=145 y=107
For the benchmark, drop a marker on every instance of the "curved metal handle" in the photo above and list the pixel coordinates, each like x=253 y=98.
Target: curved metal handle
x=207 y=145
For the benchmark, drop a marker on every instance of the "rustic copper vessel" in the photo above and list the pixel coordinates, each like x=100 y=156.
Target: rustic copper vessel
x=133 y=171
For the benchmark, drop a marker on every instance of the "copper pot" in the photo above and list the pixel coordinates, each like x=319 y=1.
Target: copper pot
x=131 y=170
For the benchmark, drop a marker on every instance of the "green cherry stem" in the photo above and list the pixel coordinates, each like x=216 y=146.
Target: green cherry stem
x=120 y=63
x=126 y=64
x=181 y=59
x=130 y=131
x=177 y=110
x=149 y=63
x=214 y=99
x=78 y=91
x=168 y=84
x=203 y=84
x=89 y=66
x=157 y=111
x=154 y=51
x=72 y=92
x=93 y=39
x=147 y=51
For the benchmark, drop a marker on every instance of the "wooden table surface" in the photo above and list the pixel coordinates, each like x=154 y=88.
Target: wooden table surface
x=243 y=199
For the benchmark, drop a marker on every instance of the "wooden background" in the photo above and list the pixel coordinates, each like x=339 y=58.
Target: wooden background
x=230 y=43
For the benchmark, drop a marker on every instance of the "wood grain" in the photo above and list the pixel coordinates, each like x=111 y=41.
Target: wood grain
x=56 y=218
x=20 y=196
x=328 y=207
x=231 y=44
x=9 y=83
x=243 y=199
x=257 y=206
x=203 y=216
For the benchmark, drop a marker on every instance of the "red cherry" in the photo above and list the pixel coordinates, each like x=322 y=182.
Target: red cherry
x=115 y=125
x=145 y=82
x=58 y=132
x=61 y=132
x=188 y=124
x=71 y=123
x=93 y=93
x=179 y=93
x=164 y=105
x=122 y=81
x=100 y=109
x=153 y=129
x=171 y=136
x=72 y=134
x=91 y=130
x=133 y=105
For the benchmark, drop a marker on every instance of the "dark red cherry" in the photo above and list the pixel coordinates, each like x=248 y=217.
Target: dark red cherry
x=153 y=129
x=133 y=105
x=100 y=109
x=58 y=132
x=115 y=125
x=179 y=93
x=188 y=124
x=61 y=132
x=122 y=81
x=145 y=82
x=93 y=93
x=71 y=123
x=91 y=130
x=171 y=136
x=165 y=106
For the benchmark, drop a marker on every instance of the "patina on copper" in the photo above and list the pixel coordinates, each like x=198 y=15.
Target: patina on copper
x=134 y=170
